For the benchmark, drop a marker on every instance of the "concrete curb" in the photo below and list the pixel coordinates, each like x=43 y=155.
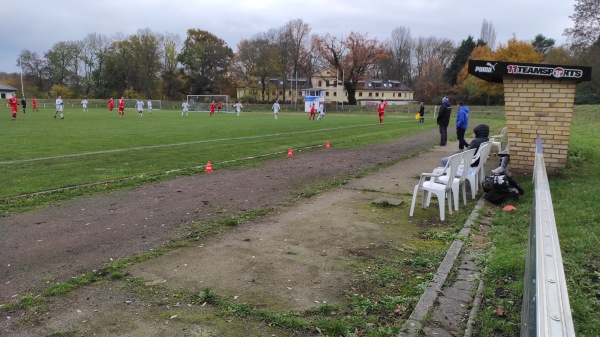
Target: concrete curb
x=414 y=324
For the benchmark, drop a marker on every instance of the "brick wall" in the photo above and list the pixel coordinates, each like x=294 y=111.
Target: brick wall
x=538 y=107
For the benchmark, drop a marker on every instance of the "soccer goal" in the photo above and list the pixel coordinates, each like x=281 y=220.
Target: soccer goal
x=202 y=102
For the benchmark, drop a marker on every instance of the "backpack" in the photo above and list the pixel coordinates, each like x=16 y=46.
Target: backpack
x=500 y=188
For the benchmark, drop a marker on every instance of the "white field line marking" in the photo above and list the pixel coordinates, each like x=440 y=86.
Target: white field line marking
x=146 y=175
x=176 y=144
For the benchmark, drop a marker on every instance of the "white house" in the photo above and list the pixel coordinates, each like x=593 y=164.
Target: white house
x=6 y=91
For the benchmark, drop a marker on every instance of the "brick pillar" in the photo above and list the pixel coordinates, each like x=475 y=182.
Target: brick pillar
x=538 y=107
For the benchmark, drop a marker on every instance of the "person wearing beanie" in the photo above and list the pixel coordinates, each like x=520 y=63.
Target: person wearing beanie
x=443 y=120
x=482 y=133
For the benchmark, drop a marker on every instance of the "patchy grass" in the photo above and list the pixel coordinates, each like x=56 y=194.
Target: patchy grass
x=575 y=201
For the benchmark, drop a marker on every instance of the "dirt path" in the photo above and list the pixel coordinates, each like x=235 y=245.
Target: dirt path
x=54 y=244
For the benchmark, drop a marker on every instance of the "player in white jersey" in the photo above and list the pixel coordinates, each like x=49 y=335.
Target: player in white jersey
x=84 y=104
x=149 y=106
x=276 y=108
x=59 y=107
x=321 y=111
x=140 y=107
x=184 y=108
x=238 y=108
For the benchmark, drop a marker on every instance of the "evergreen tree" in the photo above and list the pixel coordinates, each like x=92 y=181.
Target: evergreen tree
x=461 y=56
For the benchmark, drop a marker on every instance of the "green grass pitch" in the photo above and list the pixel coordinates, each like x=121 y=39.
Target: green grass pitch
x=40 y=153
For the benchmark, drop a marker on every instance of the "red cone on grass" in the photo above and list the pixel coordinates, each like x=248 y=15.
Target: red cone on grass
x=208 y=167
x=290 y=154
x=327 y=145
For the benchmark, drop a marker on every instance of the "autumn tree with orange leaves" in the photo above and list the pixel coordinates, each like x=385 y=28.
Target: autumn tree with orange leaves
x=430 y=85
x=472 y=88
x=353 y=58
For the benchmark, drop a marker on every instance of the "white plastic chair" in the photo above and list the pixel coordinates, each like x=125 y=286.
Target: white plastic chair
x=441 y=190
x=460 y=177
x=497 y=139
x=475 y=175
x=485 y=155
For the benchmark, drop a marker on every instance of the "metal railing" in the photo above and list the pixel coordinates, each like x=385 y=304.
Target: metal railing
x=546 y=310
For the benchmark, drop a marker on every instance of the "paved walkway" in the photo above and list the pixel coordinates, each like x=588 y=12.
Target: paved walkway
x=448 y=306
x=445 y=308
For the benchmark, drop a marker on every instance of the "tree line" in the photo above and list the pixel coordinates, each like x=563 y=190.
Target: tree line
x=162 y=66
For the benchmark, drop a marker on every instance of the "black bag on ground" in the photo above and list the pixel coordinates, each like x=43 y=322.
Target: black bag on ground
x=500 y=188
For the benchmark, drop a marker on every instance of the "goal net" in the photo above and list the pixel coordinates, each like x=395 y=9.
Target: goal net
x=202 y=102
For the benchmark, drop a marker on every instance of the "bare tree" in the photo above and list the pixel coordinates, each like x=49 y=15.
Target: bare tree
x=293 y=42
x=441 y=49
x=34 y=67
x=399 y=65
x=78 y=49
x=170 y=43
x=354 y=56
x=146 y=53
x=97 y=49
x=488 y=34
x=61 y=58
x=430 y=84
x=586 y=18
x=257 y=58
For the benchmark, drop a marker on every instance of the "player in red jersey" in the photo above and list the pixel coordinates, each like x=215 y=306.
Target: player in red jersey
x=312 y=112
x=212 y=108
x=13 y=106
x=111 y=104
x=34 y=103
x=219 y=106
x=381 y=110
x=121 y=107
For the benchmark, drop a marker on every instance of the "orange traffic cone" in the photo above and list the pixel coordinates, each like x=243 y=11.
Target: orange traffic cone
x=327 y=145
x=208 y=167
x=290 y=154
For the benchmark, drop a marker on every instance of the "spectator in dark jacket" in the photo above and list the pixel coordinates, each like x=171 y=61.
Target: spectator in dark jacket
x=443 y=120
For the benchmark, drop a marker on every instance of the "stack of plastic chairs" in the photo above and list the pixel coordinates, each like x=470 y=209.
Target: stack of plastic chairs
x=428 y=186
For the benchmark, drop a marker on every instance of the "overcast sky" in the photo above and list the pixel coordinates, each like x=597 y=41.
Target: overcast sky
x=36 y=25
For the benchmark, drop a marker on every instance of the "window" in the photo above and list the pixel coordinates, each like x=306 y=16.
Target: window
x=370 y=94
x=360 y=94
x=320 y=83
x=376 y=94
x=335 y=93
x=327 y=93
x=327 y=83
